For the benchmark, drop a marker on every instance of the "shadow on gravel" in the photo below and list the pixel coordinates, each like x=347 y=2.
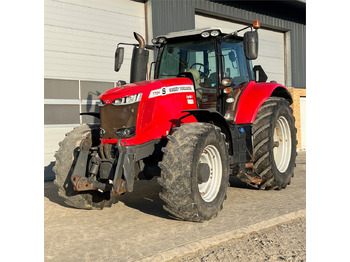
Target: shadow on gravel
x=236 y=182
x=49 y=175
x=145 y=198
x=51 y=192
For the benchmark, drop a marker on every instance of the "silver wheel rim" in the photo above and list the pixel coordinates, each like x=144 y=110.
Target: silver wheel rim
x=209 y=190
x=282 y=144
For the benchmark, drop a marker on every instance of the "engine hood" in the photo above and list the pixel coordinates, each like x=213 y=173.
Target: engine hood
x=149 y=89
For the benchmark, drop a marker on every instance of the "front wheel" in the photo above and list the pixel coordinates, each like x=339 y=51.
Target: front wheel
x=195 y=175
x=65 y=161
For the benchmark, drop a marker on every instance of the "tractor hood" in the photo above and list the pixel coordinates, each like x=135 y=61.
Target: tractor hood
x=145 y=110
x=149 y=89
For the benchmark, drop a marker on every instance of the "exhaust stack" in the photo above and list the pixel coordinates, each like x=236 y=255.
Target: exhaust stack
x=139 y=60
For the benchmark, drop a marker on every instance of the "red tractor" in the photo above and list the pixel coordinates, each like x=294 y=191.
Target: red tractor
x=206 y=115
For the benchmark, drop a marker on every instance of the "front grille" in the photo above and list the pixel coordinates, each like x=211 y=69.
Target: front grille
x=114 y=117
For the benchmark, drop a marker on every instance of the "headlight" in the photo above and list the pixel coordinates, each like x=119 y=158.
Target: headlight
x=125 y=132
x=215 y=33
x=162 y=40
x=128 y=100
x=205 y=34
x=118 y=101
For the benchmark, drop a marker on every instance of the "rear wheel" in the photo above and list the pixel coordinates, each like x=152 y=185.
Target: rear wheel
x=194 y=177
x=65 y=161
x=274 y=136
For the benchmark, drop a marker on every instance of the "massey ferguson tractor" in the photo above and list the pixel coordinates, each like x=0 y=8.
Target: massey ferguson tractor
x=206 y=115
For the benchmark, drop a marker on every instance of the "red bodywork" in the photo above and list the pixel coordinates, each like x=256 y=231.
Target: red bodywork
x=252 y=96
x=163 y=101
x=160 y=107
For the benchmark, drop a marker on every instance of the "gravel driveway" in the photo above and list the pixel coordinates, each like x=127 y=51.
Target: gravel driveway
x=284 y=242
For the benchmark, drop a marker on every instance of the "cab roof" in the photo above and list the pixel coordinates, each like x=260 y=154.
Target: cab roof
x=189 y=32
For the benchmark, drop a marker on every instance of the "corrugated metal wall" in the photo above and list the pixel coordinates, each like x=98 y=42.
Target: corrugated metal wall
x=177 y=15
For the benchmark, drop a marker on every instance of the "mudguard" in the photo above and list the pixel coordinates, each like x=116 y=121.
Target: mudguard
x=211 y=116
x=253 y=95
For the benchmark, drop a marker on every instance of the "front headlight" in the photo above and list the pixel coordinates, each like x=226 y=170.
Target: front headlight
x=118 y=101
x=128 y=100
x=131 y=99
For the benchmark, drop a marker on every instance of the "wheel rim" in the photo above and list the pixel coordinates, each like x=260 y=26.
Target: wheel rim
x=209 y=189
x=282 y=144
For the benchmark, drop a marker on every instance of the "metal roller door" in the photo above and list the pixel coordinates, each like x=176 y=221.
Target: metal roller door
x=271 y=46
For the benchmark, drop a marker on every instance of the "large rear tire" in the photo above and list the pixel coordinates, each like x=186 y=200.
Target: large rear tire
x=274 y=140
x=65 y=161
x=194 y=172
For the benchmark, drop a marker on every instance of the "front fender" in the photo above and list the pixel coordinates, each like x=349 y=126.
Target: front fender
x=214 y=117
x=253 y=96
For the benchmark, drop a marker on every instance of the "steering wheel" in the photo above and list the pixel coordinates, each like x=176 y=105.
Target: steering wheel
x=205 y=69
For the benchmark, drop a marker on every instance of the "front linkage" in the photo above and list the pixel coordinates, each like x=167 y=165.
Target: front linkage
x=110 y=167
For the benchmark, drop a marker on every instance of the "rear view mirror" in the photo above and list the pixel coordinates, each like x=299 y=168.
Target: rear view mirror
x=251 y=45
x=119 y=57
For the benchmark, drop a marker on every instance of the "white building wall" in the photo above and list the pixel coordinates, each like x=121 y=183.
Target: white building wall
x=80 y=41
x=81 y=37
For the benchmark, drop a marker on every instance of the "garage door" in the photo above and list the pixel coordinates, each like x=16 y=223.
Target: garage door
x=271 y=46
x=81 y=37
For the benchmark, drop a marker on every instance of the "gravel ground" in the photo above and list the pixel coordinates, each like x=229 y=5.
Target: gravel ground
x=284 y=242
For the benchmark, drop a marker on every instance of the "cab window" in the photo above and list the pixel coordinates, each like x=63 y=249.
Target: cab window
x=234 y=64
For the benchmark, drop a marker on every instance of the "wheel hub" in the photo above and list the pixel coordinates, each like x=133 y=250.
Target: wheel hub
x=209 y=172
x=282 y=145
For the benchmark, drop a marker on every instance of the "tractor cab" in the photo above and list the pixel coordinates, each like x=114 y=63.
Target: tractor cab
x=216 y=62
x=211 y=59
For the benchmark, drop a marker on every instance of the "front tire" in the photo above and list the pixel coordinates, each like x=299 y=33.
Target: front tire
x=65 y=161
x=194 y=172
x=274 y=136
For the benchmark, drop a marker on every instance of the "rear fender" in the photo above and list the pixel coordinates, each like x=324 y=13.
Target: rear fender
x=253 y=96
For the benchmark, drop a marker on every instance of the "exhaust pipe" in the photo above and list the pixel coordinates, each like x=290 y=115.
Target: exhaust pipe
x=139 y=60
x=140 y=39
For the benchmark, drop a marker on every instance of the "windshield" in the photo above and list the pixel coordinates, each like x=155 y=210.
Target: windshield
x=198 y=58
x=180 y=57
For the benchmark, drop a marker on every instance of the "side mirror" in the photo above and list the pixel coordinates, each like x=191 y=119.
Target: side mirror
x=251 y=45
x=119 y=57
